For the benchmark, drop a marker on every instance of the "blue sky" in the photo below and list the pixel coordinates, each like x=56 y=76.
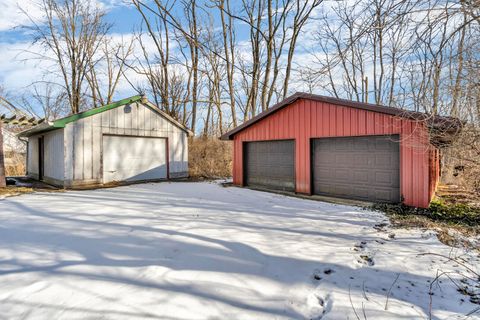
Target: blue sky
x=17 y=69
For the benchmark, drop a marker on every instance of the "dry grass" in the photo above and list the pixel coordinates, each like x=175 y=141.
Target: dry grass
x=454 y=215
x=14 y=164
x=14 y=191
x=209 y=158
x=461 y=161
x=454 y=235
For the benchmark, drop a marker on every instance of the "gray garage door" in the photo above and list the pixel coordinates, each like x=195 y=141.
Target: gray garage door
x=270 y=164
x=365 y=168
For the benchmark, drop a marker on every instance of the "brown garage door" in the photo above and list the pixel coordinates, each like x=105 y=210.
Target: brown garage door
x=365 y=168
x=270 y=164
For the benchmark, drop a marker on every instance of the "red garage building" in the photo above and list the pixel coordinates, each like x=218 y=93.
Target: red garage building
x=314 y=144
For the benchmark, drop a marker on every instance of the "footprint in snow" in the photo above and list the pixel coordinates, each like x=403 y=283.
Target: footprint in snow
x=360 y=246
x=317 y=275
x=381 y=226
x=317 y=306
x=366 y=258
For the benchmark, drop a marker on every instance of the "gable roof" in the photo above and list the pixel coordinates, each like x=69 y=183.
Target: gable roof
x=62 y=122
x=448 y=124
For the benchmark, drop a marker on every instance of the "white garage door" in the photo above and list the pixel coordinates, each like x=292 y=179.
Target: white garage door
x=134 y=158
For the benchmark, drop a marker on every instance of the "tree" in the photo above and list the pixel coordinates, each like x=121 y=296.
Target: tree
x=107 y=68
x=45 y=100
x=5 y=104
x=3 y=182
x=71 y=35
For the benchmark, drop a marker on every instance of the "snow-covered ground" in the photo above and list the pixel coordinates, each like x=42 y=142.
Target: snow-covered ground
x=202 y=251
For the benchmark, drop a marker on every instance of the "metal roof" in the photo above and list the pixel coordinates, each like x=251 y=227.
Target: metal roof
x=62 y=122
x=447 y=124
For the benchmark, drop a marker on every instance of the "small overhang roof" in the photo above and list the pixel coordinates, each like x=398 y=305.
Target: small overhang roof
x=447 y=125
x=40 y=128
x=62 y=122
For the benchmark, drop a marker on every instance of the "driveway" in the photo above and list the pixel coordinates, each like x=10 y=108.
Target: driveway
x=203 y=251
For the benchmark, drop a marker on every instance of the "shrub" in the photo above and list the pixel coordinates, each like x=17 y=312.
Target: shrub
x=461 y=161
x=209 y=158
x=14 y=164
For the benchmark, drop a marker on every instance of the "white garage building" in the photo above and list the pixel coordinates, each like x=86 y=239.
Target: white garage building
x=129 y=140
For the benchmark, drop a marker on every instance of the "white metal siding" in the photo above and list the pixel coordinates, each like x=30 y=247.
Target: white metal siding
x=83 y=140
x=127 y=158
x=53 y=156
x=32 y=157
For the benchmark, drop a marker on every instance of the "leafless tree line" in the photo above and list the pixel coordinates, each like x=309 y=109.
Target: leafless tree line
x=213 y=64
x=225 y=79
x=411 y=54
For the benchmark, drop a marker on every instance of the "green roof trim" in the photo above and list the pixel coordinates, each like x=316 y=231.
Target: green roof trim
x=61 y=123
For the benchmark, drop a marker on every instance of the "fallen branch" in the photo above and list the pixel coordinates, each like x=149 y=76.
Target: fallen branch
x=390 y=290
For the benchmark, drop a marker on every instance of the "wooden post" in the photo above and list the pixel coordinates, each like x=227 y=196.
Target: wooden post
x=3 y=182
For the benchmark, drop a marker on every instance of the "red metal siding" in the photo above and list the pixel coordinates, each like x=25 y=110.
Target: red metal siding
x=434 y=171
x=307 y=119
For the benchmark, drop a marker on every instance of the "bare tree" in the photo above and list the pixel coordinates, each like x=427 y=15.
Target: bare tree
x=228 y=35
x=3 y=182
x=107 y=68
x=159 y=31
x=71 y=36
x=303 y=9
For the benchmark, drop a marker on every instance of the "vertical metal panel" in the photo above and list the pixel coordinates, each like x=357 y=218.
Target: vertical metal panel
x=88 y=155
x=97 y=166
x=304 y=120
x=68 y=147
x=32 y=157
x=434 y=174
x=78 y=144
x=53 y=155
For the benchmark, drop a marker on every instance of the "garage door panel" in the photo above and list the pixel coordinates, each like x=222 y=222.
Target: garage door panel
x=365 y=168
x=360 y=145
x=383 y=178
x=127 y=158
x=360 y=176
x=270 y=164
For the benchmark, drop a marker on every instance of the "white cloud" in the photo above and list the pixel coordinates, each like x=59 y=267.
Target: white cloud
x=11 y=14
x=19 y=68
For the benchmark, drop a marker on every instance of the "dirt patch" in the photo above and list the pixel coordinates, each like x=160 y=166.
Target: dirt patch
x=454 y=214
x=22 y=185
x=450 y=234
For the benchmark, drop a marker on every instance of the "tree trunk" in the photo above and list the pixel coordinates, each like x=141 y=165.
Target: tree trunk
x=3 y=182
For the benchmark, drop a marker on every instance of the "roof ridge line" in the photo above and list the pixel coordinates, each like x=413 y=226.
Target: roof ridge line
x=62 y=122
